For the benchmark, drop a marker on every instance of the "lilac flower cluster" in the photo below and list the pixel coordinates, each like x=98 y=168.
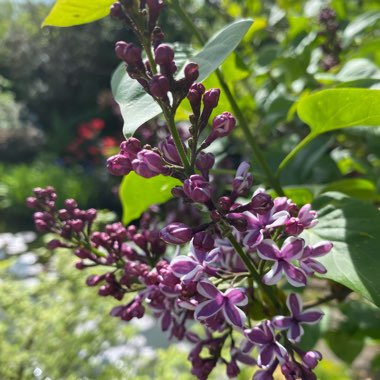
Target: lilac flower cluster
x=246 y=248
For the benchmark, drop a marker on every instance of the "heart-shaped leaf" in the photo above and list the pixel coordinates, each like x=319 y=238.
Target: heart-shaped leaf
x=332 y=109
x=137 y=193
x=137 y=107
x=74 y=12
x=354 y=228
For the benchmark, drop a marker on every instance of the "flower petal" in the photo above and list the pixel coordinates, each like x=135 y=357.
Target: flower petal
x=258 y=336
x=266 y=356
x=208 y=290
x=234 y=315
x=310 y=316
x=275 y=274
x=295 y=276
x=295 y=332
x=268 y=250
x=207 y=309
x=278 y=219
x=292 y=248
x=280 y=352
x=294 y=303
x=282 y=323
x=236 y=296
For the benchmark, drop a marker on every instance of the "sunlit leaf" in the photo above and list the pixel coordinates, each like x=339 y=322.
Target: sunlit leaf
x=74 y=12
x=137 y=194
x=353 y=226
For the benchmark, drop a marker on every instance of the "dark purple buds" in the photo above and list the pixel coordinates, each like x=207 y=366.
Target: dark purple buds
x=176 y=233
x=223 y=124
x=148 y=164
x=129 y=53
x=195 y=97
x=261 y=203
x=163 y=55
x=191 y=72
x=159 y=86
x=116 y=11
x=130 y=147
x=311 y=358
x=119 y=165
x=211 y=98
x=203 y=241
x=32 y=202
x=197 y=189
x=243 y=180
x=224 y=203
x=204 y=162
x=238 y=220
x=169 y=150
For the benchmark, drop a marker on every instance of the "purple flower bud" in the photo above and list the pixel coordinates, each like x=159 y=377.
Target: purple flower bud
x=94 y=280
x=63 y=214
x=195 y=96
x=204 y=162
x=130 y=147
x=116 y=11
x=243 y=180
x=238 y=220
x=178 y=192
x=128 y=52
x=119 y=165
x=55 y=243
x=32 y=202
x=211 y=98
x=261 y=203
x=176 y=233
x=163 y=55
x=148 y=164
x=159 y=86
x=223 y=124
x=197 y=189
x=77 y=225
x=155 y=7
x=169 y=150
x=203 y=241
x=90 y=215
x=224 y=203
x=70 y=204
x=311 y=358
x=191 y=72
x=41 y=226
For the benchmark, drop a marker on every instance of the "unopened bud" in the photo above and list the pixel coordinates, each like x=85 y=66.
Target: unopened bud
x=176 y=233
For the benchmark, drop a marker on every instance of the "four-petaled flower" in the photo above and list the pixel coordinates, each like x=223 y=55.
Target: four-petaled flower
x=307 y=261
x=297 y=318
x=292 y=249
x=226 y=302
x=264 y=338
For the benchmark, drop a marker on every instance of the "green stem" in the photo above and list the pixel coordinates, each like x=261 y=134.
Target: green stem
x=149 y=54
x=291 y=155
x=252 y=270
x=177 y=140
x=271 y=178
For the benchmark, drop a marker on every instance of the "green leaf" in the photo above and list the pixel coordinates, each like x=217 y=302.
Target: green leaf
x=355 y=187
x=137 y=107
x=137 y=193
x=328 y=110
x=73 y=12
x=353 y=226
x=345 y=346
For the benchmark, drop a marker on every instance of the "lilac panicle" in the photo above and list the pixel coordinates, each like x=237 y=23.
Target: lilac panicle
x=297 y=318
